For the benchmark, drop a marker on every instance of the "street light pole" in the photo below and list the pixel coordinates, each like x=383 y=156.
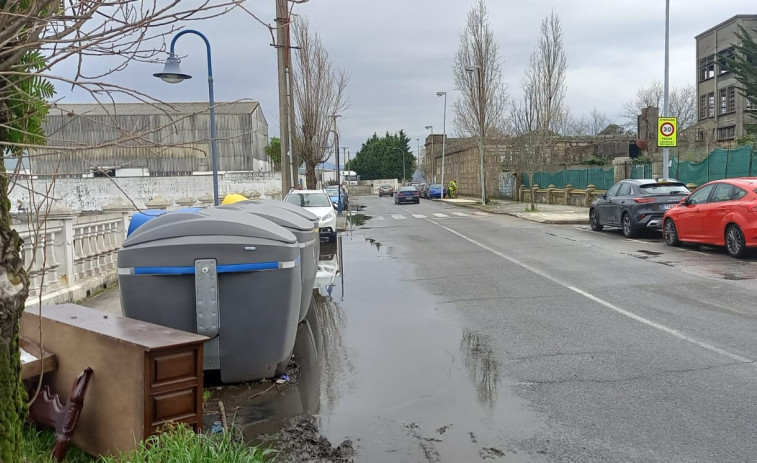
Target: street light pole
x=477 y=69
x=403 y=162
x=338 y=175
x=173 y=75
x=444 y=132
x=666 y=150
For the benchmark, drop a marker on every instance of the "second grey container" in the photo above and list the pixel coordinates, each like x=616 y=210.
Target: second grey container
x=306 y=234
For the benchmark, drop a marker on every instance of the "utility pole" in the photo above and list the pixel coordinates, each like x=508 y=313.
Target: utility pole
x=282 y=30
x=665 y=108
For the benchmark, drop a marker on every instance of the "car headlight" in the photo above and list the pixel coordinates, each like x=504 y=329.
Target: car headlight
x=328 y=217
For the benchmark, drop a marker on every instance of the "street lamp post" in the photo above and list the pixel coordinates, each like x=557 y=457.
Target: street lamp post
x=338 y=175
x=431 y=128
x=477 y=70
x=665 y=108
x=403 y=162
x=173 y=75
x=444 y=132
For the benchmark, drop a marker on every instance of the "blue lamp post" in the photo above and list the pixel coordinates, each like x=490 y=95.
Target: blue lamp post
x=173 y=75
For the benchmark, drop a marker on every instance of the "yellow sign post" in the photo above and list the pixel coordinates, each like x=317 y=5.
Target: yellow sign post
x=667 y=131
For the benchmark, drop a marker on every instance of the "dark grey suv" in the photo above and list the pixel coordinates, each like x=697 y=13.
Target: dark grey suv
x=635 y=205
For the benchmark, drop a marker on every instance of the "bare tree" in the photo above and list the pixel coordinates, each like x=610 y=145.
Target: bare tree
x=683 y=105
x=481 y=110
x=319 y=94
x=538 y=117
x=597 y=121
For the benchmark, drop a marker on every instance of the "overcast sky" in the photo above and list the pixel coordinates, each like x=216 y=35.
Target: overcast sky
x=399 y=53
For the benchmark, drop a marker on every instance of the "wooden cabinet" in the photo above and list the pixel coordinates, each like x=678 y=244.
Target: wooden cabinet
x=144 y=375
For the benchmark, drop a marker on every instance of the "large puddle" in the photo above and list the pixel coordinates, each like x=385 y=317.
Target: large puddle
x=382 y=363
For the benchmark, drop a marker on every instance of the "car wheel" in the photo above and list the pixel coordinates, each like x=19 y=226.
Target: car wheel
x=594 y=221
x=417 y=201
x=332 y=238
x=734 y=241
x=670 y=233
x=628 y=230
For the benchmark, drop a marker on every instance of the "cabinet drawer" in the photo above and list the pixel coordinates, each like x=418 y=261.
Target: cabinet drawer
x=174 y=405
x=173 y=367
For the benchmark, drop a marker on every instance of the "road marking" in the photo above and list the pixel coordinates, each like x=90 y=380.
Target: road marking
x=482 y=214
x=377 y=217
x=440 y=215
x=460 y=214
x=398 y=217
x=419 y=216
x=673 y=332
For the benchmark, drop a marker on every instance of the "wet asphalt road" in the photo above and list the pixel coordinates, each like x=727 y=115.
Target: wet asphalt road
x=469 y=338
x=454 y=336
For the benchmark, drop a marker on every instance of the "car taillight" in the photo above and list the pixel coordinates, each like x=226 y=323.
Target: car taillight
x=644 y=200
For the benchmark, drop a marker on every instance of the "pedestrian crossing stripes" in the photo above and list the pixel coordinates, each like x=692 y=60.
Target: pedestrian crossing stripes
x=436 y=215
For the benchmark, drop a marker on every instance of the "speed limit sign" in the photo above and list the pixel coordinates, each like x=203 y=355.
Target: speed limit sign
x=667 y=133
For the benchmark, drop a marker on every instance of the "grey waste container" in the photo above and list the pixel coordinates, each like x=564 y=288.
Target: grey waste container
x=301 y=211
x=306 y=235
x=226 y=274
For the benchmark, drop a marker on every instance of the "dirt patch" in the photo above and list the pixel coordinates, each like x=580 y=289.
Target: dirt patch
x=301 y=441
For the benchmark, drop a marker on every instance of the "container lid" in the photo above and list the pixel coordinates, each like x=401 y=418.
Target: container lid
x=209 y=222
x=139 y=218
x=301 y=211
x=277 y=215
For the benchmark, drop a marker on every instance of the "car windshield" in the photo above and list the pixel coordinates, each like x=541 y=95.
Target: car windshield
x=331 y=189
x=309 y=199
x=664 y=189
x=436 y=185
x=408 y=188
x=386 y=186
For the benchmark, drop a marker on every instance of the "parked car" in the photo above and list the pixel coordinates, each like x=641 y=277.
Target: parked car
x=635 y=205
x=386 y=190
x=436 y=190
x=721 y=213
x=424 y=190
x=333 y=192
x=407 y=194
x=319 y=203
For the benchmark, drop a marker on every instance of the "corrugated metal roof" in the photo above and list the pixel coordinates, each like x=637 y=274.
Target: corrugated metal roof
x=138 y=109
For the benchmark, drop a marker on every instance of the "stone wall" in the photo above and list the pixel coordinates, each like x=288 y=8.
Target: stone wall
x=92 y=194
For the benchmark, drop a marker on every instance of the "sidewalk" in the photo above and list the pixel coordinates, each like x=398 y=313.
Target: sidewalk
x=545 y=213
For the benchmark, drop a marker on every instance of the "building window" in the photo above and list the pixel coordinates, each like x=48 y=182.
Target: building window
x=707 y=105
x=727 y=133
x=727 y=100
x=722 y=65
x=706 y=68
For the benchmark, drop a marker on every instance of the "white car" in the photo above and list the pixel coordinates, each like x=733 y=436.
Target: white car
x=319 y=203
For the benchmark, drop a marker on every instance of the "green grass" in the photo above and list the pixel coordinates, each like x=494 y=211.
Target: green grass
x=37 y=447
x=175 y=445
x=206 y=395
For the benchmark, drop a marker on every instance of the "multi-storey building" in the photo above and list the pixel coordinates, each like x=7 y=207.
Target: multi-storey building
x=721 y=109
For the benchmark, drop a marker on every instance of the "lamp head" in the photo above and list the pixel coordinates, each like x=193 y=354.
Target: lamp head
x=441 y=93
x=429 y=127
x=474 y=67
x=172 y=71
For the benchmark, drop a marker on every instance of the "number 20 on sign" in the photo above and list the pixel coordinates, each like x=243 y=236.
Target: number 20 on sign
x=667 y=131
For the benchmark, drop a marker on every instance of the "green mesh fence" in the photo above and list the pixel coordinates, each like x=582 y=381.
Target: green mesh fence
x=579 y=178
x=721 y=163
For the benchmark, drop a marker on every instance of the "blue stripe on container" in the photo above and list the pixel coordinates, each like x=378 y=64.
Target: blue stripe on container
x=187 y=270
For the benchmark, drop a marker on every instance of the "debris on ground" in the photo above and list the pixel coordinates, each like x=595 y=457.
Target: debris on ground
x=301 y=441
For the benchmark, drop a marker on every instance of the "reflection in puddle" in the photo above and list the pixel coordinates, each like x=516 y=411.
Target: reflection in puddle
x=358 y=219
x=482 y=365
x=374 y=243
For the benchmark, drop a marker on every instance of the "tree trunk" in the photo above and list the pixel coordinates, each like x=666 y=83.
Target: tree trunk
x=14 y=288
x=310 y=178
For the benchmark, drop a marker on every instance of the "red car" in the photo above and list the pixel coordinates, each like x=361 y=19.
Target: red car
x=721 y=213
